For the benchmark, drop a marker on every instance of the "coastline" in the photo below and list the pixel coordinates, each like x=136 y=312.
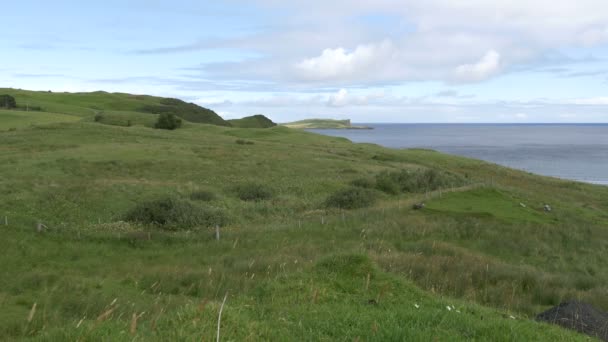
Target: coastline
x=573 y=152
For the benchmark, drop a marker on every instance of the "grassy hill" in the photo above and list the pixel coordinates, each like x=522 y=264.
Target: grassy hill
x=323 y=124
x=12 y=119
x=114 y=107
x=254 y=121
x=130 y=249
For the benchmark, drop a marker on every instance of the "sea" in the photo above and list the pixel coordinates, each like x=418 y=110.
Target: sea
x=570 y=151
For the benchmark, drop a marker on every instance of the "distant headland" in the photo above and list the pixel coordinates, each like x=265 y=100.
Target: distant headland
x=323 y=124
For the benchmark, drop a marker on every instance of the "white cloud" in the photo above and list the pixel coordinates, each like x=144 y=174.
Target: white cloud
x=593 y=101
x=432 y=40
x=338 y=64
x=343 y=98
x=485 y=68
x=338 y=100
x=521 y=116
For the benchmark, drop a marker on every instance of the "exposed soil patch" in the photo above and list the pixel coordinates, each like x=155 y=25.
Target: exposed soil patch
x=578 y=316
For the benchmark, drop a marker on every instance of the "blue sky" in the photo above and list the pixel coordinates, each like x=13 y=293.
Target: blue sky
x=371 y=61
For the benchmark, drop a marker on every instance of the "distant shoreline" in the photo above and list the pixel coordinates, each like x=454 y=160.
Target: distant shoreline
x=323 y=124
x=351 y=127
x=573 y=152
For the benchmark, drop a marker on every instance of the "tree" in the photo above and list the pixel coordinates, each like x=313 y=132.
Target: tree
x=168 y=121
x=7 y=101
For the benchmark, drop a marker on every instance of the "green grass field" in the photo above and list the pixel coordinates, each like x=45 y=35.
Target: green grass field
x=292 y=269
x=10 y=119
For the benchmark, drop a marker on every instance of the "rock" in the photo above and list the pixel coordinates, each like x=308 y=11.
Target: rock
x=578 y=316
x=547 y=208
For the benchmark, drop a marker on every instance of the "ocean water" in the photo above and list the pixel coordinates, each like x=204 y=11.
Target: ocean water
x=570 y=151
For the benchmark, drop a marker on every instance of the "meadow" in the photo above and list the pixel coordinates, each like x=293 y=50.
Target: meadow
x=291 y=264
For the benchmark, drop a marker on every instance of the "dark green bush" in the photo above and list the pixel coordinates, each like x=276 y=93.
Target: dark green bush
x=351 y=198
x=253 y=192
x=415 y=181
x=364 y=183
x=244 y=142
x=202 y=195
x=98 y=117
x=388 y=182
x=168 y=121
x=31 y=108
x=173 y=214
x=8 y=102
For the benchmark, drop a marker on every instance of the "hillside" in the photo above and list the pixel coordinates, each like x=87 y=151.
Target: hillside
x=254 y=121
x=114 y=107
x=323 y=124
x=318 y=238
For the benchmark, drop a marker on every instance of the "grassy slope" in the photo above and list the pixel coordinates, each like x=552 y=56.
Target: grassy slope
x=254 y=121
x=287 y=275
x=21 y=119
x=117 y=108
x=321 y=124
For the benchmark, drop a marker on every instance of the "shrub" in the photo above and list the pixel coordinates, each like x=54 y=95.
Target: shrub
x=244 y=142
x=7 y=101
x=253 y=192
x=98 y=117
x=202 y=195
x=168 y=121
x=351 y=198
x=171 y=213
x=415 y=181
x=388 y=182
x=363 y=183
x=33 y=108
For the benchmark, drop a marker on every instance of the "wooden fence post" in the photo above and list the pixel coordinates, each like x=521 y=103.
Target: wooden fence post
x=217 y=232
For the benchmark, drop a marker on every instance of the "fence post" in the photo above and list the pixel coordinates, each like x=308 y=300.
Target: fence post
x=217 y=232
x=40 y=227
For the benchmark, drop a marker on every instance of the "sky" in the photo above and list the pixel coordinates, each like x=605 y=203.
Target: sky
x=451 y=61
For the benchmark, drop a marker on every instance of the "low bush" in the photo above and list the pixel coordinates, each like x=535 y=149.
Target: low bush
x=364 y=183
x=351 y=198
x=29 y=108
x=202 y=195
x=244 y=142
x=168 y=121
x=388 y=182
x=8 y=102
x=415 y=181
x=174 y=214
x=253 y=192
